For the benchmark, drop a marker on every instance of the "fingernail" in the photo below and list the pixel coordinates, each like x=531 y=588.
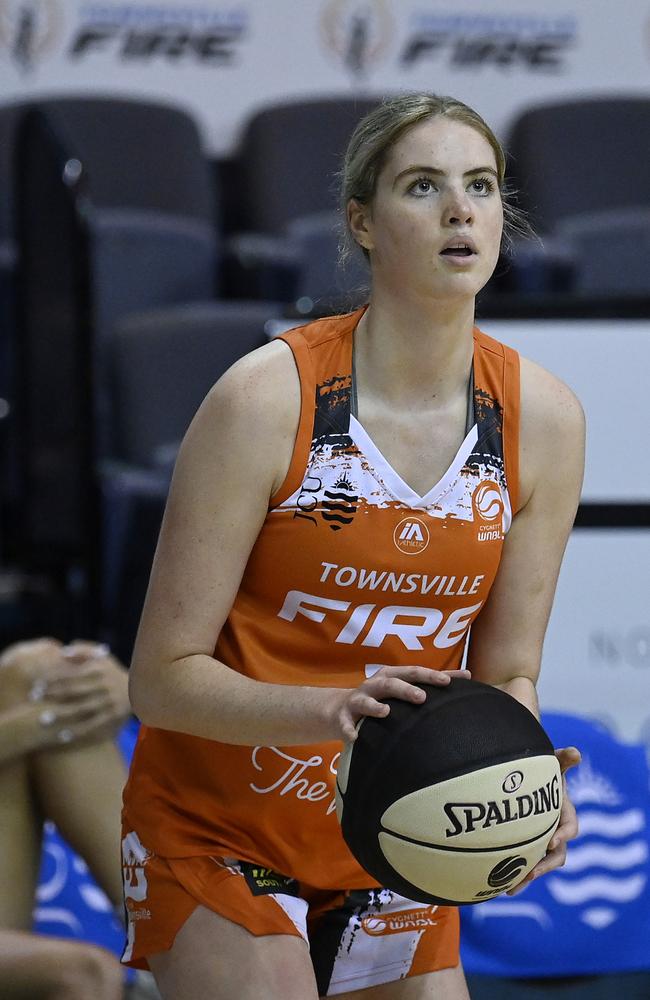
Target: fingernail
x=101 y=649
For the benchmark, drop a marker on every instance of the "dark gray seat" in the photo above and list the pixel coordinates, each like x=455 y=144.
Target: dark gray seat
x=571 y=157
x=287 y=167
x=116 y=214
x=163 y=363
x=329 y=284
x=611 y=250
x=289 y=156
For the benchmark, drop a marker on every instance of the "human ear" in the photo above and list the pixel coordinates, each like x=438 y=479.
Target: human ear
x=358 y=223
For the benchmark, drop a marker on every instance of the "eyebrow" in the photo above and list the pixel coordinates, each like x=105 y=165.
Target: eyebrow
x=437 y=172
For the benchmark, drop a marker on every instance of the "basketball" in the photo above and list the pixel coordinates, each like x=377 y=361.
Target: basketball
x=453 y=800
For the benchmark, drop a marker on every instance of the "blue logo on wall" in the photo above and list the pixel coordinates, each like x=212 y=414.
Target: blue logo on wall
x=593 y=915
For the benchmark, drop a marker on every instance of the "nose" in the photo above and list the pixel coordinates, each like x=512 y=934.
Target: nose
x=458 y=209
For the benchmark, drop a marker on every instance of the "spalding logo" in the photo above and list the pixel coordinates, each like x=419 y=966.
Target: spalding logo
x=468 y=816
x=487 y=501
x=513 y=781
x=506 y=871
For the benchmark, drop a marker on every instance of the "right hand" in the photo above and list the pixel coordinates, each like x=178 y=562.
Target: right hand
x=388 y=682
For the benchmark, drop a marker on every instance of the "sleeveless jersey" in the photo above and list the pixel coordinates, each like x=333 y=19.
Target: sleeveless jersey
x=351 y=570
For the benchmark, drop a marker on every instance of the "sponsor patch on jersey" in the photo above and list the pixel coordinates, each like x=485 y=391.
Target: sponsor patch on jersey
x=265 y=881
x=411 y=536
x=487 y=502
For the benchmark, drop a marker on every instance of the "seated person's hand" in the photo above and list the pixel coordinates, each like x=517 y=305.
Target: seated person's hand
x=68 y=692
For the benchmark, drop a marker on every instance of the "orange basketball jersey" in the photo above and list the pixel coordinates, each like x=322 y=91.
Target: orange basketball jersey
x=351 y=570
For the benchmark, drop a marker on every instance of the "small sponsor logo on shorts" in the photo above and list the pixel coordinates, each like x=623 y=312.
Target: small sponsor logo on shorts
x=265 y=881
x=138 y=914
x=411 y=536
x=400 y=921
x=135 y=857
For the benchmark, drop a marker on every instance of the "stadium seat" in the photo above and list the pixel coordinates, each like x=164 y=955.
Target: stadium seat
x=300 y=145
x=566 y=162
x=115 y=214
x=330 y=286
x=163 y=362
x=10 y=115
x=571 y=157
x=611 y=249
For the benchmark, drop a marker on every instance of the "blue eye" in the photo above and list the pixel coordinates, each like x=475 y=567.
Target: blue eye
x=421 y=186
x=482 y=185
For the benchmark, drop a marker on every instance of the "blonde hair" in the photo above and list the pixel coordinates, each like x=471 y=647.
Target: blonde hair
x=380 y=129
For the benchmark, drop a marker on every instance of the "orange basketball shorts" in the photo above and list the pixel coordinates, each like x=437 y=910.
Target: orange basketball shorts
x=357 y=938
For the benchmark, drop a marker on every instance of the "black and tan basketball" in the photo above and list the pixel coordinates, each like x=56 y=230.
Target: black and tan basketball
x=453 y=800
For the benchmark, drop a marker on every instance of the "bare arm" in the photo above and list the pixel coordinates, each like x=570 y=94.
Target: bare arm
x=234 y=456
x=507 y=638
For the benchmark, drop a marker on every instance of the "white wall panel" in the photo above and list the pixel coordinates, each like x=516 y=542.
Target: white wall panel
x=596 y=659
x=606 y=363
x=222 y=59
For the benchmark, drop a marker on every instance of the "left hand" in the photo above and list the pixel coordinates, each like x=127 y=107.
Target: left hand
x=567 y=829
x=90 y=674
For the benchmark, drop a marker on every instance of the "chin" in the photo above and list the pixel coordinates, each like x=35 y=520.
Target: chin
x=462 y=288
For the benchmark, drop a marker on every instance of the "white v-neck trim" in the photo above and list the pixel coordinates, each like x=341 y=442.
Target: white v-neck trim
x=394 y=482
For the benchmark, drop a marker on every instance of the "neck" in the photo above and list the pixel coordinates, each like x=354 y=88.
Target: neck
x=410 y=353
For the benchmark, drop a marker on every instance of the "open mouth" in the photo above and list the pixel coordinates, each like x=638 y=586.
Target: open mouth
x=459 y=251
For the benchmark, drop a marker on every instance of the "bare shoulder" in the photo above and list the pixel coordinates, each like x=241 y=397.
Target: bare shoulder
x=264 y=382
x=545 y=396
x=552 y=426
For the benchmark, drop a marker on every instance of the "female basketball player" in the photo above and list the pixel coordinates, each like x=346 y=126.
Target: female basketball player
x=346 y=503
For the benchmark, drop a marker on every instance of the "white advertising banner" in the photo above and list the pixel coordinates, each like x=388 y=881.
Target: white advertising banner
x=605 y=362
x=596 y=659
x=223 y=59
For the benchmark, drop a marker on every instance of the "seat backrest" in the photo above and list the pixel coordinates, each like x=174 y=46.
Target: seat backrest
x=10 y=117
x=578 y=156
x=165 y=361
x=329 y=283
x=611 y=250
x=289 y=157
x=136 y=154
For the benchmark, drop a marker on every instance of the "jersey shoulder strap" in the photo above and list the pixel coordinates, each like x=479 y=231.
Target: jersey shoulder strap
x=322 y=352
x=497 y=405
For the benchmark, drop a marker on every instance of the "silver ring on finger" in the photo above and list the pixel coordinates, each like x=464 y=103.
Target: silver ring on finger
x=65 y=736
x=47 y=718
x=37 y=691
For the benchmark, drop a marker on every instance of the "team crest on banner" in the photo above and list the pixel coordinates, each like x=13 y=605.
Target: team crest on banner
x=357 y=33
x=29 y=29
x=593 y=915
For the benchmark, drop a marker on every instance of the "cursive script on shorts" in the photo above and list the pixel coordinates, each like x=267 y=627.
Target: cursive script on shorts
x=287 y=775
